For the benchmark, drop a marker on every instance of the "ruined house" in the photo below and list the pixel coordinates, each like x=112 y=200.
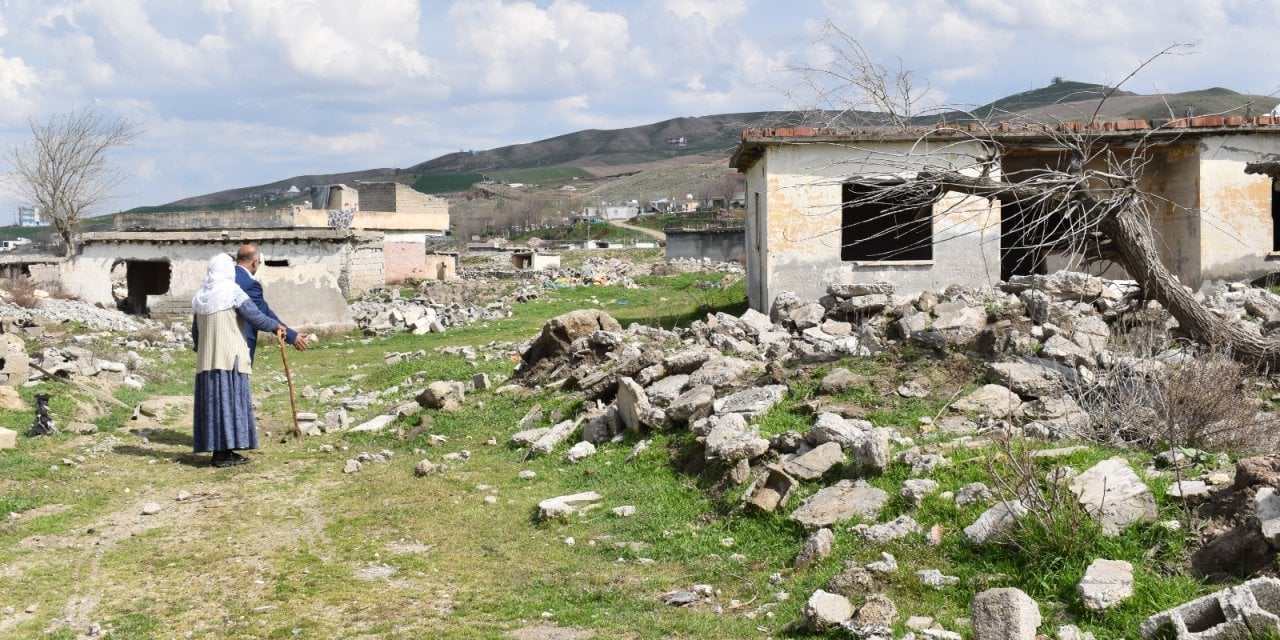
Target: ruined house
x=313 y=260
x=807 y=227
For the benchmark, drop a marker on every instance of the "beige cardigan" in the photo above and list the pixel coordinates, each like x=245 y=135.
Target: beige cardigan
x=222 y=345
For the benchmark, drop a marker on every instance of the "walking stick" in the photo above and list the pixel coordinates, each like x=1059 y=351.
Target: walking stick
x=293 y=404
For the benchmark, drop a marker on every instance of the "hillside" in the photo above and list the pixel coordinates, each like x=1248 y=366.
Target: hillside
x=705 y=140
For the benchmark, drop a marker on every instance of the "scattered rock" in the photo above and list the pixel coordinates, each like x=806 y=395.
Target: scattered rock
x=878 y=610
x=1005 y=614
x=825 y=610
x=814 y=463
x=580 y=452
x=352 y=466
x=816 y=547
x=151 y=508
x=915 y=489
x=564 y=506
x=1114 y=495
x=994 y=522
x=993 y=400
x=840 y=502
x=899 y=527
x=731 y=439
x=1106 y=583
x=425 y=468
x=936 y=579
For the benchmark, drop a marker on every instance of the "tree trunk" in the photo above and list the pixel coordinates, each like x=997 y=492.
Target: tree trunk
x=1131 y=239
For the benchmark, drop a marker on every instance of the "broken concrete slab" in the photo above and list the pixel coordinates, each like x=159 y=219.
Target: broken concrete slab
x=752 y=401
x=773 y=492
x=814 y=463
x=1114 y=496
x=1234 y=612
x=1106 y=583
x=840 y=502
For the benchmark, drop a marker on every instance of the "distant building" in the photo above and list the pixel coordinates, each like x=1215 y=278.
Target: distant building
x=32 y=217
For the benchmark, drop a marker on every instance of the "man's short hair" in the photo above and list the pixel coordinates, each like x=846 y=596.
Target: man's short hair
x=246 y=253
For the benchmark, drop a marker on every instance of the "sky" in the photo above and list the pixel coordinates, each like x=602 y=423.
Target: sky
x=234 y=93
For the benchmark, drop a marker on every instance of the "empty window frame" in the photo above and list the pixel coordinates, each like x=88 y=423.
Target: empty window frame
x=886 y=222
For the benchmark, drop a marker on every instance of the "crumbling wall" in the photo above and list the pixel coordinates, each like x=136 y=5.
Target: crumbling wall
x=363 y=269
x=441 y=266
x=1235 y=209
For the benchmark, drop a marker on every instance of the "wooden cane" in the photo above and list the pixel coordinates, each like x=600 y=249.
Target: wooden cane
x=293 y=404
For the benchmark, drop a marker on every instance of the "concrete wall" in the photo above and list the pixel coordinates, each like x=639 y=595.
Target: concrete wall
x=1235 y=208
x=723 y=245
x=281 y=218
x=801 y=220
x=391 y=206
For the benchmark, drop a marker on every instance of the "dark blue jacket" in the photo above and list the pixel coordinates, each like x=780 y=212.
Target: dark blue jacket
x=254 y=289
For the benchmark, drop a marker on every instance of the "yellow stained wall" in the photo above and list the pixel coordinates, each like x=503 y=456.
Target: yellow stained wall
x=1235 y=208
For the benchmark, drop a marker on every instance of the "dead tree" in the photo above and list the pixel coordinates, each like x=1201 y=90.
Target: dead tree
x=64 y=168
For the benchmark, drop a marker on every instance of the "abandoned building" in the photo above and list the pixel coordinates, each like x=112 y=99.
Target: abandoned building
x=807 y=224
x=316 y=259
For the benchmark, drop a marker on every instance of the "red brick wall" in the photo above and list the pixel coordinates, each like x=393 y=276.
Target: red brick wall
x=405 y=261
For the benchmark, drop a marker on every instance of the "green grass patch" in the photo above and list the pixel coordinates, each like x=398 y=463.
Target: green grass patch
x=445 y=182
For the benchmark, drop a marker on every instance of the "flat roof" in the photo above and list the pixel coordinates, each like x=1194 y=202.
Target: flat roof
x=754 y=141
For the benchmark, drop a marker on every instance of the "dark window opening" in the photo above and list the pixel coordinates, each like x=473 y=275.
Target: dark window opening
x=886 y=221
x=1022 y=241
x=143 y=278
x=276 y=263
x=1275 y=215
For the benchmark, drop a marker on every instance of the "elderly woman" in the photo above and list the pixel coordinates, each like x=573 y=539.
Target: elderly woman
x=224 y=419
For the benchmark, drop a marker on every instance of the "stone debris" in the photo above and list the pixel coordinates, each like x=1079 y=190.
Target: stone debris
x=1114 y=496
x=826 y=610
x=1234 y=612
x=840 y=502
x=563 y=506
x=898 y=528
x=816 y=548
x=995 y=522
x=936 y=579
x=1106 y=583
x=915 y=489
x=1005 y=614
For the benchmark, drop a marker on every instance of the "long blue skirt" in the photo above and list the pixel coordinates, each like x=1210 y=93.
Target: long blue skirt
x=223 y=412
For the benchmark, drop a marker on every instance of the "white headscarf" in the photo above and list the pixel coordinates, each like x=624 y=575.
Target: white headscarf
x=219 y=290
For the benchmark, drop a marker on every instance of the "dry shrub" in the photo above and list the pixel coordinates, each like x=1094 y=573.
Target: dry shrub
x=1193 y=398
x=22 y=291
x=1055 y=522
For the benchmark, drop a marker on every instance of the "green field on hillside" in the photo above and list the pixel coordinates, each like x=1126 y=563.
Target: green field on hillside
x=445 y=182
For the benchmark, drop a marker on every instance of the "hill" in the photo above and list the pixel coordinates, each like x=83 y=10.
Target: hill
x=704 y=141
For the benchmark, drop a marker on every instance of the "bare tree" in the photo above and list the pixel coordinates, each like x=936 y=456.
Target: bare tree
x=1090 y=202
x=64 y=168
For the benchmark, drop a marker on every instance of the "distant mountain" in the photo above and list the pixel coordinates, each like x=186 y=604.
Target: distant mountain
x=710 y=139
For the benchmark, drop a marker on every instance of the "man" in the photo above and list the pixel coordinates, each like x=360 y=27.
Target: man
x=247 y=261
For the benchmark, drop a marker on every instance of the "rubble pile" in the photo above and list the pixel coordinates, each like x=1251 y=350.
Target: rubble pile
x=694 y=265
x=1045 y=338
x=382 y=311
x=59 y=310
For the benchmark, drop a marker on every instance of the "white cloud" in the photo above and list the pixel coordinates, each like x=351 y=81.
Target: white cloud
x=355 y=43
x=522 y=48
x=714 y=13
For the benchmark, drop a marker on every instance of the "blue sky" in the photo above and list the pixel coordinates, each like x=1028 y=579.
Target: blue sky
x=232 y=93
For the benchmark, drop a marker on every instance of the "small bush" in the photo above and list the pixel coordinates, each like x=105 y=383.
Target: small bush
x=22 y=292
x=1196 y=400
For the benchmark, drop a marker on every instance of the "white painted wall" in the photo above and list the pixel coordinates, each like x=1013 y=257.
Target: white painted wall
x=793 y=240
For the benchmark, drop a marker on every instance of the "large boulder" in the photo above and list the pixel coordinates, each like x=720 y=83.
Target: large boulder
x=560 y=332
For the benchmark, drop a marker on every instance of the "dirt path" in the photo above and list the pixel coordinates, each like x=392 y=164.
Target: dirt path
x=660 y=236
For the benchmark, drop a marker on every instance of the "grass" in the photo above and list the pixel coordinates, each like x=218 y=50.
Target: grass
x=291 y=547
x=445 y=182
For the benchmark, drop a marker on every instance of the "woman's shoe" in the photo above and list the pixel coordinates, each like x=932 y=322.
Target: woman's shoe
x=228 y=459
